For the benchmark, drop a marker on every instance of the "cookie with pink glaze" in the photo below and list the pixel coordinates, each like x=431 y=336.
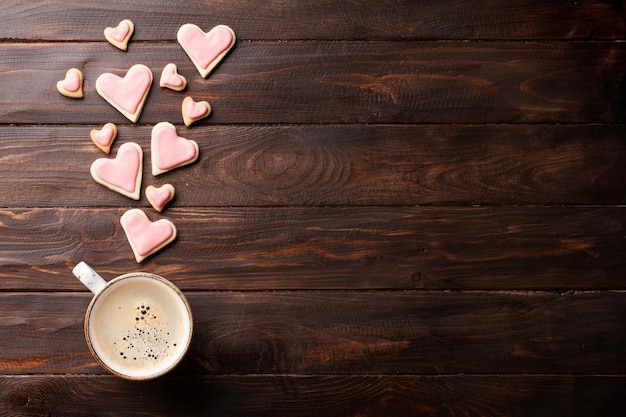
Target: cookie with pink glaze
x=206 y=50
x=103 y=138
x=123 y=173
x=170 y=78
x=159 y=197
x=120 y=35
x=169 y=150
x=145 y=236
x=194 y=110
x=128 y=94
x=72 y=85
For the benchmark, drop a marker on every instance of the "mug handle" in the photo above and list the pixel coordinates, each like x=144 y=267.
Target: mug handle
x=89 y=277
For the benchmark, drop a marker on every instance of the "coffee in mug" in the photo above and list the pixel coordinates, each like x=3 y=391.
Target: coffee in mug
x=138 y=325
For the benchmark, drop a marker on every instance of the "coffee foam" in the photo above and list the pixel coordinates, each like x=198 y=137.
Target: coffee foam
x=139 y=326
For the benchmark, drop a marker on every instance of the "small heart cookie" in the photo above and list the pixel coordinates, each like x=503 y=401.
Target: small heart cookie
x=72 y=85
x=120 y=35
x=146 y=237
x=169 y=150
x=159 y=197
x=121 y=174
x=206 y=50
x=194 y=110
x=128 y=95
x=104 y=137
x=170 y=78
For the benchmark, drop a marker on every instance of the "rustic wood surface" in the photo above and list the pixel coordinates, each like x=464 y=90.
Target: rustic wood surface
x=401 y=208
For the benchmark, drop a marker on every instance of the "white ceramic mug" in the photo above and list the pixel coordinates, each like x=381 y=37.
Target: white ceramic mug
x=138 y=325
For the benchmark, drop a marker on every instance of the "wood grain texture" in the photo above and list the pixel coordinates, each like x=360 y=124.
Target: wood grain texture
x=335 y=82
x=246 y=248
x=347 y=333
x=325 y=19
x=333 y=165
x=393 y=396
x=400 y=208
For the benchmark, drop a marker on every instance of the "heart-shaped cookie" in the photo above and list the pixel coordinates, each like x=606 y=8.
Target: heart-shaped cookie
x=123 y=173
x=159 y=197
x=128 y=95
x=206 y=50
x=146 y=237
x=194 y=110
x=72 y=85
x=170 y=78
x=120 y=35
x=103 y=138
x=169 y=150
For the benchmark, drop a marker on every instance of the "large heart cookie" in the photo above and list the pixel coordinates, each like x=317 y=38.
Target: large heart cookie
x=206 y=50
x=146 y=237
x=128 y=95
x=194 y=110
x=72 y=85
x=169 y=150
x=103 y=138
x=159 y=197
x=123 y=173
x=120 y=35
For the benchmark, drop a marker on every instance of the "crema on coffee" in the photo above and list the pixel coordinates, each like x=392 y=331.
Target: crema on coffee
x=139 y=326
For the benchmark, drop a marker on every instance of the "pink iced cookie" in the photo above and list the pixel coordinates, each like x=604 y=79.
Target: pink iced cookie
x=120 y=35
x=159 y=197
x=121 y=174
x=128 y=95
x=194 y=110
x=169 y=150
x=206 y=50
x=170 y=78
x=103 y=138
x=72 y=85
x=146 y=237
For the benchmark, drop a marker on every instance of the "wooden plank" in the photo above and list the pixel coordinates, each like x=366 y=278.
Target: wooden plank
x=537 y=396
x=326 y=19
x=337 y=165
x=331 y=333
x=555 y=248
x=335 y=82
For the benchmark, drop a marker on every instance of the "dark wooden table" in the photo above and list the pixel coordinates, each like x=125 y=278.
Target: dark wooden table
x=401 y=208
